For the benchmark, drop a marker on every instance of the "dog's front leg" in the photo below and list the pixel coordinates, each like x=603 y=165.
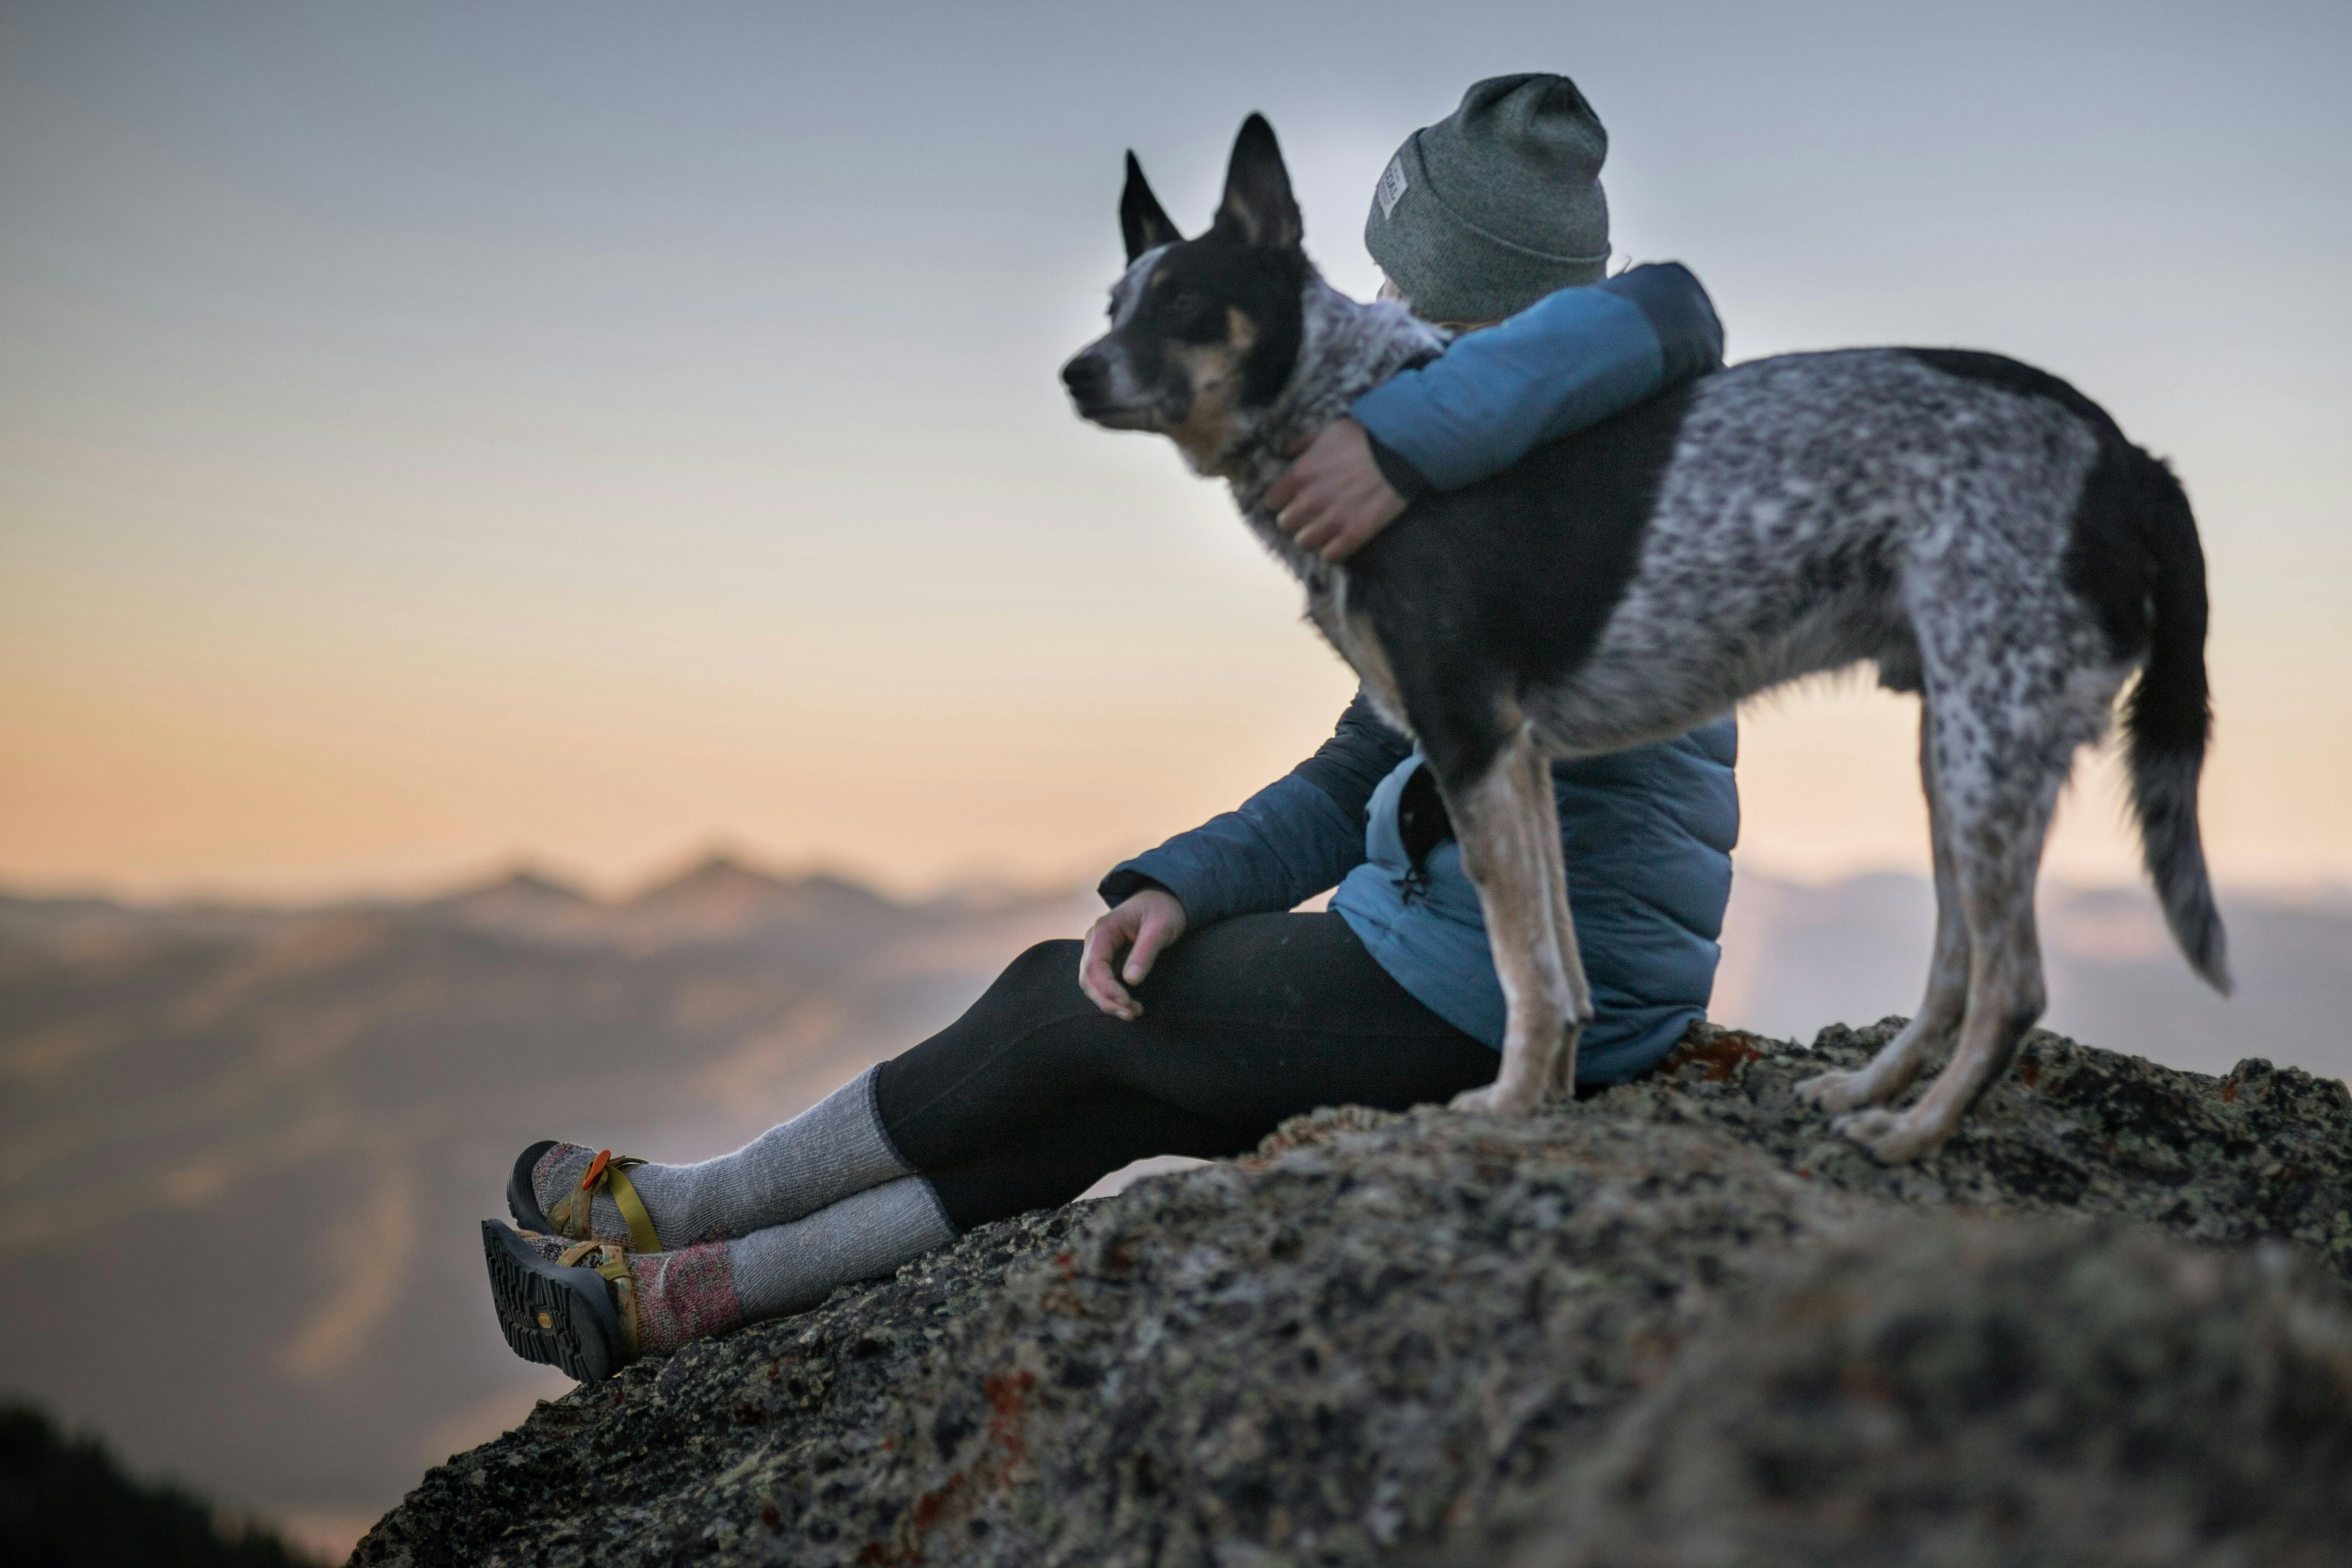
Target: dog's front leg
x=1508 y=824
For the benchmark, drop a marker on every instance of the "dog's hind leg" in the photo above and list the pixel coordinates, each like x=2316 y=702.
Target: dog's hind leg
x=1999 y=769
x=1507 y=821
x=1902 y=1060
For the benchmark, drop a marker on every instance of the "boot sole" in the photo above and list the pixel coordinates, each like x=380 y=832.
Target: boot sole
x=550 y=1314
x=521 y=1201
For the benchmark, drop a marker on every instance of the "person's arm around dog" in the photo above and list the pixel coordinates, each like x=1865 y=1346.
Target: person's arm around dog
x=1334 y=498
x=1572 y=359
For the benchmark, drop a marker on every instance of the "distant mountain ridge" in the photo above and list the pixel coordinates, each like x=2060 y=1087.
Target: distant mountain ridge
x=718 y=896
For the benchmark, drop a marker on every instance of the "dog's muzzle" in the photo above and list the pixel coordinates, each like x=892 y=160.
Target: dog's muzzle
x=1093 y=382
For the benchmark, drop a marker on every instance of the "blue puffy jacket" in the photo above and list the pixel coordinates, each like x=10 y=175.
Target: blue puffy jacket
x=1647 y=833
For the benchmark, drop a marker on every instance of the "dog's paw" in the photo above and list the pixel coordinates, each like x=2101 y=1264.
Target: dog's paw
x=1833 y=1091
x=1890 y=1140
x=1495 y=1100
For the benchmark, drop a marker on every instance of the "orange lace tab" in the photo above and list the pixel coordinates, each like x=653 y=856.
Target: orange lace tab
x=595 y=1169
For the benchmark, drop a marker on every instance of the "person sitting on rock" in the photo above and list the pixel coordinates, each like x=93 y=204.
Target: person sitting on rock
x=1201 y=1010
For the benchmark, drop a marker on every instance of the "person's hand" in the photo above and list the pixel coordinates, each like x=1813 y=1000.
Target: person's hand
x=1334 y=499
x=1145 y=924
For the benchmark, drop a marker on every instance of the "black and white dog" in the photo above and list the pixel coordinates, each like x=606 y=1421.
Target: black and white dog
x=1979 y=531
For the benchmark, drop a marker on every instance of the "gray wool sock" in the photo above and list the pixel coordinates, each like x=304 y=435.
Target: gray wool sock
x=693 y=1292
x=833 y=1149
x=791 y=1267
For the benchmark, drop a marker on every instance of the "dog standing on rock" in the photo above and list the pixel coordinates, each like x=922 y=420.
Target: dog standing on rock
x=1978 y=530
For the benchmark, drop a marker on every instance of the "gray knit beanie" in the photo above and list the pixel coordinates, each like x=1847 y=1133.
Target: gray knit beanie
x=1495 y=205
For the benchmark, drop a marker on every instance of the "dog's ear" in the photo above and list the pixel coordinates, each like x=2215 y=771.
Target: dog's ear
x=1141 y=222
x=1258 y=205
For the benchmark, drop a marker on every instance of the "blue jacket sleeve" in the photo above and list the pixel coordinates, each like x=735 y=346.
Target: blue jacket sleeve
x=1288 y=842
x=1571 y=360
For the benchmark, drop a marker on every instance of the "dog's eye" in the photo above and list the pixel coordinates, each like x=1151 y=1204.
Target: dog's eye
x=1183 y=302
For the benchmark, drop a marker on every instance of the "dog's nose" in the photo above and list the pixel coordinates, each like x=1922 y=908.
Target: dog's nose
x=1086 y=378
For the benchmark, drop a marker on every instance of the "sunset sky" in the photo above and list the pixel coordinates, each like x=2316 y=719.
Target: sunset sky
x=435 y=437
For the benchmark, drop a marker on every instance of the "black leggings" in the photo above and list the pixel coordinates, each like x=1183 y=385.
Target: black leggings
x=1035 y=1093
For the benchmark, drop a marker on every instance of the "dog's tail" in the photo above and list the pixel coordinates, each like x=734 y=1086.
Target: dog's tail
x=2170 y=718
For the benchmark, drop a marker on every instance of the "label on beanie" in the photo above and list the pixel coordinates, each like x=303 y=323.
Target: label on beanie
x=1391 y=186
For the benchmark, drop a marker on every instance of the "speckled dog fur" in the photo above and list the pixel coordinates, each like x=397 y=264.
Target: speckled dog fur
x=1979 y=531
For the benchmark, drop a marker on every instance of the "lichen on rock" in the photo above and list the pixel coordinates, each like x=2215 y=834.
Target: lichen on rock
x=1387 y=1336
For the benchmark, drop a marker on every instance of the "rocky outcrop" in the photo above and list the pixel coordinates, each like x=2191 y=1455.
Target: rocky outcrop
x=1673 y=1323
x=1960 y=1392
